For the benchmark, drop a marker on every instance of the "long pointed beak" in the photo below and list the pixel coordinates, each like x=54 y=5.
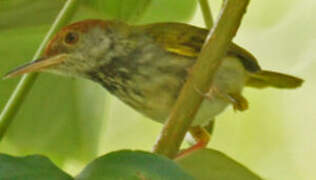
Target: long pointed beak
x=36 y=66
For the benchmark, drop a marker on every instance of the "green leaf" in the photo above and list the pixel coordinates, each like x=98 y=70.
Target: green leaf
x=19 y=13
x=169 y=11
x=132 y=165
x=207 y=164
x=30 y=168
x=144 y=11
x=126 y=10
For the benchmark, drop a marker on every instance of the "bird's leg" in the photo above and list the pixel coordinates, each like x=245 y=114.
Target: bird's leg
x=210 y=127
x=201 y=137
x=236 y=99
x=239 y=102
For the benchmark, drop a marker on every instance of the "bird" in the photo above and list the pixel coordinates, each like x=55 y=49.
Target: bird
x=145 y=66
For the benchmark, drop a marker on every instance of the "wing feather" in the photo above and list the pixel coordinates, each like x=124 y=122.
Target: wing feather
x=187 y=40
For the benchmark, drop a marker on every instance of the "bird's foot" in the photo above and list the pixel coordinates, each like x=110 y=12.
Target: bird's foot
x=239 y=102
x=236 y=99
x=201 y=136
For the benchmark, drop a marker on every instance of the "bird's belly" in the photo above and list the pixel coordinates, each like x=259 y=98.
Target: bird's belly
x=229 y=79
x=207 y=111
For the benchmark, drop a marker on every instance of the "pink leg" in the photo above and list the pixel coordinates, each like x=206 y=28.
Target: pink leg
x=201 y=137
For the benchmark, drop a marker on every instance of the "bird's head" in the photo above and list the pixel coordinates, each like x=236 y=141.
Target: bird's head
x=75 y=49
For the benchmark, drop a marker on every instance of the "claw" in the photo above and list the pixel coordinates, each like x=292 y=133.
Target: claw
x=239 y=102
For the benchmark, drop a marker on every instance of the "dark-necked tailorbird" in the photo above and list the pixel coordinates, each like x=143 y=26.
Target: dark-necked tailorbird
x=145 y=66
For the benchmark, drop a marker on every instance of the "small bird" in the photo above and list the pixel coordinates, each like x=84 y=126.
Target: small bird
x=145 y=66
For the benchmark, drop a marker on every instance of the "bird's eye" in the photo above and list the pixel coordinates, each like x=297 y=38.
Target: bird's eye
x=71 y=38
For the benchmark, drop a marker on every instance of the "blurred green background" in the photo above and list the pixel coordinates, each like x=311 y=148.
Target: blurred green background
x=72 y=121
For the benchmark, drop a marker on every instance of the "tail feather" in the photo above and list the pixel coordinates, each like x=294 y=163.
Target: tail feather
x=264 y=79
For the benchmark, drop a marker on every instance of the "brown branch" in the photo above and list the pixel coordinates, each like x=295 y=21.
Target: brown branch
x=189 y=100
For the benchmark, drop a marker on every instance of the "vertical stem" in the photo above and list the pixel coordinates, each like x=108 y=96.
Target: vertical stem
x=209 y=22
x=27 y=81
x=189 y=100
x=207 y=13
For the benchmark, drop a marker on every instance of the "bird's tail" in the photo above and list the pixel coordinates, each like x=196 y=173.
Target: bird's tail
x=264 y=79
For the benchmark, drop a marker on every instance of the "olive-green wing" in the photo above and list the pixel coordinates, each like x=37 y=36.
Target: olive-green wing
x=187 y=40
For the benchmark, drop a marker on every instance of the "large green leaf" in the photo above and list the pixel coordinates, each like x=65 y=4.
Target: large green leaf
x=29 y=168
x=145 y=11
x=19 y=13
x=207 y=164
x=169 y=11
x=133 y=165
x=125 y=10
